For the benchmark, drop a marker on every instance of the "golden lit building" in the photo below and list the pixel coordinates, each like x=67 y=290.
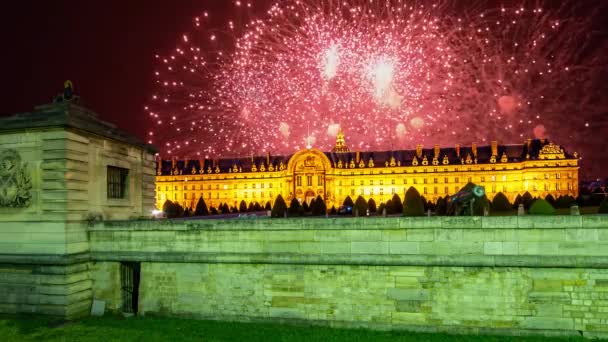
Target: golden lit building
x=537 y=166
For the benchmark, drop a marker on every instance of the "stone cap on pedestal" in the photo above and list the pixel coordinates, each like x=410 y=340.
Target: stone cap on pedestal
x=69 y=115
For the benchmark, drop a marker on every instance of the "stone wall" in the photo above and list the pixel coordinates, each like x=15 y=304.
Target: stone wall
x=482 y=274
x=63 y=152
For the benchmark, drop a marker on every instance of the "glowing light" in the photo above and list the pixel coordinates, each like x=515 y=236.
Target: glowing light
x=390 y=74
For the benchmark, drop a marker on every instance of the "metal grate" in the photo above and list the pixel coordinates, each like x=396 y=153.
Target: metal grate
x=117 y=182
x=129 y=281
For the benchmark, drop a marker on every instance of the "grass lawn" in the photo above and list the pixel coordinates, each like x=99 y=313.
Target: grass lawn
x=169 y=329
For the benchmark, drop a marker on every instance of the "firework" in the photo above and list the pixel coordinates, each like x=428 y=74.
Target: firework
x=389 y=73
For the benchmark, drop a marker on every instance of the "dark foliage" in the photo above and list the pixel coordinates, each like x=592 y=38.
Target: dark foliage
x=413 y=203
x=348 y=202
x=360 y=206
x=541 y=207
x=442 y=206
x=396 y=204
x=501 y=203
x=371 y=205
x=603 y=209
x=318 y=208
x=280 y=207
x=201 y=208
x=295 y=209
x=268 y=206
x=243 y=206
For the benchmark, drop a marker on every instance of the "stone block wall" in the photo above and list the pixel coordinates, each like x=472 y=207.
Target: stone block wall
x=509 y=275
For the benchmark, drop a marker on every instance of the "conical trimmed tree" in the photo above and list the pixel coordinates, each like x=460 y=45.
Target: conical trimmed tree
x=319 y=208
x=201 y=208
x=413 y=203
x=397 y=204
x=295 y=209
x=500 y=202
x=360 y=206
x=348 y=202
x=280 y=207
x=371 y=205
x=243 y=206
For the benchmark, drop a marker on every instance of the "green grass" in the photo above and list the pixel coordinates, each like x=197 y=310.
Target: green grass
x=109 y=329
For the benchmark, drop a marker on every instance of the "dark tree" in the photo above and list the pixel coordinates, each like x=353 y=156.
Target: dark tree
x=381 y=208
x=268 y=206
x=250 y=207
x=305 y=207
x=603 y=209
x=234 y=209
x=389 y=207
x=360 y=206
x=257 y=206
x=397 y=204
x=225 y=208
x=371 y=205
x=333 y=210
x=527 y=200
x=500 y=202
x=167 y=206
x=295 y=209
x=518 y=201
x=442 y=206
x=213 y=211
x=413 y=203
x=541 y=207
x=549 y=198
x=243 y=206
x=565 y=202
x=280 y=207
x=348 y=202
x=319 y=208
x=201 y=208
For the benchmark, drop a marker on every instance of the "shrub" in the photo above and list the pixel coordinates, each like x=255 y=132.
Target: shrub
x=413 y=203
x=243 y=206
x=389 y=207
x=442 y=206
x=268 y=206
x=333 y=210
x=295 y=209
x=319 y=208
x=517 y=202
x=173 y=210
x=397 y=204
x=381 y=208
x=225 y=209
x=501 y=202
x=280 y=207
x=348 y=202
x=481 y=205
x=565 y=202
x=360 y=206
x=250 y=207
x=541 y=207
x=549 y=198
x=213 y=211
x=201 y=208
x=257 y=206
x=603 y=209
x=527 y=200
x=371 y=205
x=305 y=206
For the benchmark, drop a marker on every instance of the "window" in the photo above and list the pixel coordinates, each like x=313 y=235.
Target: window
x=352 y=182
x=262 y=185
x=382 y=182
x=470 y=179
x=434 y=180
x=415 y=181
x=298 y=181
x=493 y=187
x=483 y=178
x=425 y=181
x=217 y=186
x=309 y=180
x=558 y=176
x=320 y=180
x=425 y=192
x=393 y=191
x=340 y=183
x=504 y=178
x=404 y=180
x=456 y=180
x=352 y=192
x=504 y=188
x=361 y=183
x=435 y=190
x=117 y=182
x=392 y=181
x=445 y=180
x=371 y=182
x=493 y=178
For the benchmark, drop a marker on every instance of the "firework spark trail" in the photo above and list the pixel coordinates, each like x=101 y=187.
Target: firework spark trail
x=389 y=73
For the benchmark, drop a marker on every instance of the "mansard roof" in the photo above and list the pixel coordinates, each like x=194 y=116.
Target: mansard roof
x=514 y=153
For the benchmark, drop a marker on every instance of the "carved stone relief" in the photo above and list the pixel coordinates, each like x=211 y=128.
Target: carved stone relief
x=15 y=180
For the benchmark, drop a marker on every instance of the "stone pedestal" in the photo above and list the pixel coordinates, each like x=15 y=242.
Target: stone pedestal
x=54 y=166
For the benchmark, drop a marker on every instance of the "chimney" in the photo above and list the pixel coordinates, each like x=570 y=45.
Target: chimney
x=474 y=149
x=436 y=150
x=357 y=157
x=494 y=144
x=419 y=151
x=458 y=150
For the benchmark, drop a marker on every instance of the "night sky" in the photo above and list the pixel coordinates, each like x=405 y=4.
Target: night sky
x=107 y=48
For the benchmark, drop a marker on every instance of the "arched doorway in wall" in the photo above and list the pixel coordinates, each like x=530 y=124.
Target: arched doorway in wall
x=308 y=169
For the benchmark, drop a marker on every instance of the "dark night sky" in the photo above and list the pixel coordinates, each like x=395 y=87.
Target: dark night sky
x=106 y=48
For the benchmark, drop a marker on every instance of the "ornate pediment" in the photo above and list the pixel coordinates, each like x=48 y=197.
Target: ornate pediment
x=551 y=151
x=15 y=180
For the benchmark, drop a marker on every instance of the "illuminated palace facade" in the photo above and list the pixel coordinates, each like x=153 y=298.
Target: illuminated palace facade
x=537 y=166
